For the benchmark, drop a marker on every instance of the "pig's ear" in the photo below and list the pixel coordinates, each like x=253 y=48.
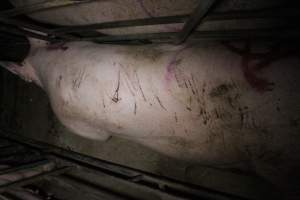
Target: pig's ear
x=24 y=72
x=10 y=66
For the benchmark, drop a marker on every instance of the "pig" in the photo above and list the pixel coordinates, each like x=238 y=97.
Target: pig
x=225 y=105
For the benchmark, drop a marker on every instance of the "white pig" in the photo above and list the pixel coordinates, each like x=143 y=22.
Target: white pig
x=223 y=105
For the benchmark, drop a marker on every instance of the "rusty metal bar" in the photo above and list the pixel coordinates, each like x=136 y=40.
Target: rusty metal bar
x=44 y=5
x=195 y=19
x=34 y=178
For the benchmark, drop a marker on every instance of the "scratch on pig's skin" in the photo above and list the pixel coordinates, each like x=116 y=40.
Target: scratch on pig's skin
x=143 y=7
x=135 y=108
x=103 y=104
x=160 y=103
x=58 y=81
x=186 y=131
x=116 y=98
x=192 y=88
x=176 y=118
x=140 y=87
x=77 y=81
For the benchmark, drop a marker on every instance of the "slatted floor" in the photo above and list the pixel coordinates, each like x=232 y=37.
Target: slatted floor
x=33 y=170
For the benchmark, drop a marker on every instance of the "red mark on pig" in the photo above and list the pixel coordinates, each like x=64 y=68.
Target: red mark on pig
x=262 y=60
x=171 y=67
x=57 y=46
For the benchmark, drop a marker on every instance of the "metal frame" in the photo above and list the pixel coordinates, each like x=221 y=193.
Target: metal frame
x=203 y=13
x=71 y=168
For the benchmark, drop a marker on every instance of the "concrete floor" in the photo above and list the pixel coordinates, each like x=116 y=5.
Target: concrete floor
x=25 y=108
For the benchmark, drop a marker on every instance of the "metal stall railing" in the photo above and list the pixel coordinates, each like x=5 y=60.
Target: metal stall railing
x=203 y=13
x=47 y=172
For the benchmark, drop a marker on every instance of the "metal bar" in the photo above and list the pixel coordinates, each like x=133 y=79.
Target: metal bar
x=270 y=33
x=44 y=5
x=195 y=19
x=16 y=31
x=253 y=14
x=34 y=27
x=287 y=33
x=32 y=179
x=24 y=167
x=123 y=173
x=24 y=25
x=121 y=24
x=262 y=13
x=164 y=187
x=21 y=194
x=87 y=187
x=13 y=149
x=145 y=36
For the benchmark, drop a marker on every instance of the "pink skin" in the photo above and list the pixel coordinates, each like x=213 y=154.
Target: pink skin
x=171 y=65
x=24 y=70
x=96 y=98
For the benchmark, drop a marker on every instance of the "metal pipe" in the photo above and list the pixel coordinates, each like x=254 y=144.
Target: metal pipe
x=17 y=31
x=91 y=188
x=125 y=174
x=238 y=34
x=33 y=179
x=195 y=19
x=44 y=5
x=217 y=16
x=122 y=24
x=25 y=167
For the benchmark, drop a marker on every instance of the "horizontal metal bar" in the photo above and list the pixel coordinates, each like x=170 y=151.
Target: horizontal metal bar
x=23 y=24
x=253 y=14
x=267 y=33
x=237 y=15
x=270 y=33
x=4 y=197
x=121 y=24
x=13 y=149
x=24 y=167
x=91 y=188
x=145 y=36
x=17 y=31
x=34 y=178
x=44 y=5
x=123 y=173
x=21 y=194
